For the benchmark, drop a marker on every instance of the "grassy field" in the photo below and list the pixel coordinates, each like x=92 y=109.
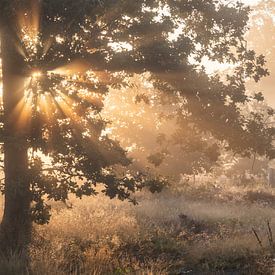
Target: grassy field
x=195 y=229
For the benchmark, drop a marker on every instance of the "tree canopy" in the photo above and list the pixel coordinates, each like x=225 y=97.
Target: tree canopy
x=75 y=51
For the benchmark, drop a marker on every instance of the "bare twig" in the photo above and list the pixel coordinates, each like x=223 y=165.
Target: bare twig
x=270 y=234
x=257 y=237
x=253 y=163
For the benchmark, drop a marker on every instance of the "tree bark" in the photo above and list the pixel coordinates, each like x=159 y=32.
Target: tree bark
x=15 y=230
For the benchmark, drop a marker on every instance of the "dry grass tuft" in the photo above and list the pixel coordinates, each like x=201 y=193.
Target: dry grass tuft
x=200 y=230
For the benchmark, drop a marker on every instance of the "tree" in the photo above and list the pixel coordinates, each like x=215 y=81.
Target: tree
x=59 y=60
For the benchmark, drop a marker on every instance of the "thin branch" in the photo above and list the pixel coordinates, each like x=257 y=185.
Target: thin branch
x=270 y=234
x=257 y=237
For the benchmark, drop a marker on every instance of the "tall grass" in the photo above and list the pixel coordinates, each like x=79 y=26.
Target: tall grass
x=168 y=233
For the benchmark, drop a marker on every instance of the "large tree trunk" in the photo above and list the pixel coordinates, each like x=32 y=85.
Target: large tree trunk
x=15 y=230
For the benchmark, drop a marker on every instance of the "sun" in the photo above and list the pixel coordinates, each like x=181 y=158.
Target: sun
x=36 y=74
x=72 y=89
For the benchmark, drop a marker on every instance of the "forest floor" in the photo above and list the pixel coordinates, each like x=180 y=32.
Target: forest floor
x=194 y=229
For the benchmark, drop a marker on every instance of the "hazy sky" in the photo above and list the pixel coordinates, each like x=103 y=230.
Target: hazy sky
x=250 y=2
x=262 y=39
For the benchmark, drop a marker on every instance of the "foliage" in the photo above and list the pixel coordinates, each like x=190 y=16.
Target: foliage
x=76 y=51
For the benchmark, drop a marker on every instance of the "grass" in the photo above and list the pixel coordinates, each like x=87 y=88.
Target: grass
x=196 y=229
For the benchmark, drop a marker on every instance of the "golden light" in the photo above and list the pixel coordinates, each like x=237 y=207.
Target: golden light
x=29 y=20
x=78 y=66
x=57 y=97
x=36 y=74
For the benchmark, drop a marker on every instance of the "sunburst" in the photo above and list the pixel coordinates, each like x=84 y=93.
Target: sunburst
x=49 y=91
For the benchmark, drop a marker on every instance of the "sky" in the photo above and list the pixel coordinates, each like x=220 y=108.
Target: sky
x=263 y=41
x=250 y=2
x=261 y=38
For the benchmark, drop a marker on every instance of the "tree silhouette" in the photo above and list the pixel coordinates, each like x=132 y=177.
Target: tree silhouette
x=59 y=59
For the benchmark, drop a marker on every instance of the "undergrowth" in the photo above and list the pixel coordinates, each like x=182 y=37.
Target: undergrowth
x=195 y=230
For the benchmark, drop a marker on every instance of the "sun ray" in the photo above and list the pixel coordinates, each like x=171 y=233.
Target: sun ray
x=65 y=104
x=28 y=19
x=46 y=103
x=23 y=111
x=28 y=29
x=46 y=46
x=78 y=66
x=57 y=91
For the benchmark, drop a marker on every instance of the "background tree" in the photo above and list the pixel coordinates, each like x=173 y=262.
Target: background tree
x=59 y=60
x=262 y=27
